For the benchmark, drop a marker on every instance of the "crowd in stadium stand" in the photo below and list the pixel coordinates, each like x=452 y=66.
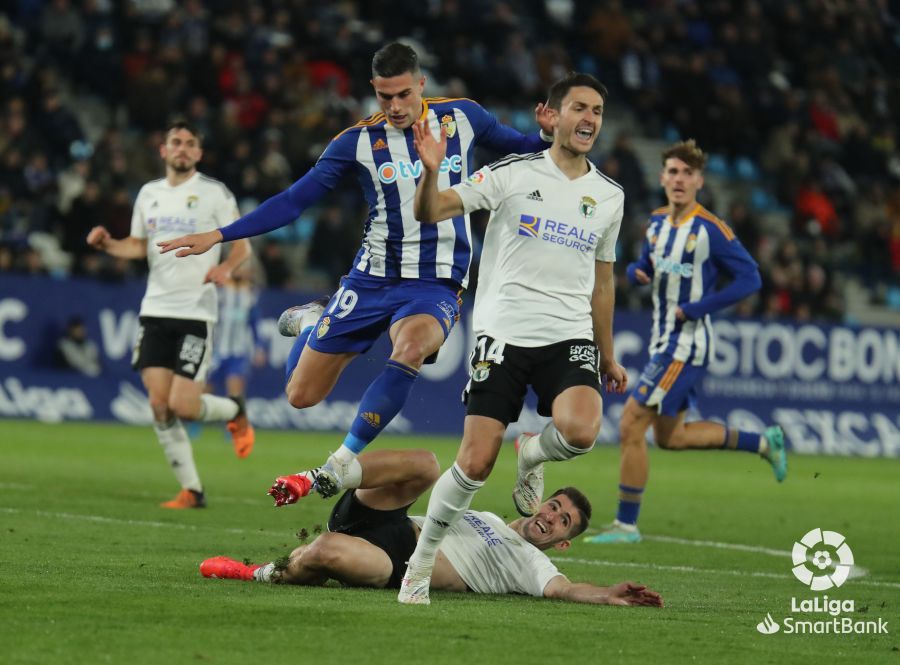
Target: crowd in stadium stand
x=797 y=103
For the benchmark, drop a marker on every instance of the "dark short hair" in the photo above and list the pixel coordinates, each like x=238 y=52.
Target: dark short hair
x=581 y=503
x=561 y=88
x=393 y=60
x=181 y=123
x=688 y=152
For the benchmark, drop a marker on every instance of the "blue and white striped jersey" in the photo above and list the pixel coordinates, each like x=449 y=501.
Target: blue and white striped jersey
x=235 y=334
x=684 y=260
x=384 y=159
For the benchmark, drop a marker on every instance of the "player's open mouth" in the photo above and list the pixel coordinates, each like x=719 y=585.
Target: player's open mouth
x=584 y=133
x=541 y=526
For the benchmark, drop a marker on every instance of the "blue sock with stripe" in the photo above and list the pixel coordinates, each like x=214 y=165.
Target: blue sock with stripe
x=740 y=440
x=380 y=403
x=629 y=504
x=294 y=354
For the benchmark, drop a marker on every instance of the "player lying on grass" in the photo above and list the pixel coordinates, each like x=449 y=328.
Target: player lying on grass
x=370 y=537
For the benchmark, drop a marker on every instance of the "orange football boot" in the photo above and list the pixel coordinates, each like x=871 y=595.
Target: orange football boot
x=242 y=434
x=186 y=499
x=221 y=567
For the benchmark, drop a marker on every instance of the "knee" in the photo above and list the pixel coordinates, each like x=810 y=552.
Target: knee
x=670 y=440
x=429 y=468
x=182 y=410
x=300 y=396
x=411 y=351
x=323 y=553
x=580 y=434
x=160 y=409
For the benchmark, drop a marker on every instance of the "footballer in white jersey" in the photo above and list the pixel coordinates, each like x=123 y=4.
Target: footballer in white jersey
x=370 y=537
x=544 y=308
x=173 y=350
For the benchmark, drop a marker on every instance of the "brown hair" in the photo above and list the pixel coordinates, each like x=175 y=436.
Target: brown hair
x=581 y=503
x=688 y=152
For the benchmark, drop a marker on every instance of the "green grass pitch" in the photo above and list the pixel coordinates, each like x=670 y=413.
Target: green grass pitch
x=93 y=571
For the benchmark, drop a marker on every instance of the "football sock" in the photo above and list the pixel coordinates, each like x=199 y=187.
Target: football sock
x=294 y=353
x=549 y=446
x=214 y=408
x=177 y=448
x=629 y=505
x=264 y=572
x=749 y=441
x=352 y=470
x=450 y=498
x=379 y=404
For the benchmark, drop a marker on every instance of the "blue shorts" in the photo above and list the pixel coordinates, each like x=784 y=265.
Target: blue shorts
x=364 y=307
x=668 y=385
x=230 y=366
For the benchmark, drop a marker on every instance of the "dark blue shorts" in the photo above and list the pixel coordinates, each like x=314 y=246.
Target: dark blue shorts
x=668 y=385
x=230 y=366
x=364 y=307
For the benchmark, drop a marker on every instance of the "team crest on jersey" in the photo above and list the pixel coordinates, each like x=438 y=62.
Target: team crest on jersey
x=529 y=226
x=588 y=207
x=192 y=202
x=481 y=371
x=324 y=325
x=449 y=125
x=691 y=243
x=379 y=145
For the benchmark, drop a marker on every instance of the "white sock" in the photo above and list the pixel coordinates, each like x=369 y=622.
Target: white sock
x=344 y=455
x=216 y=409
x=549 y=446
x=352 y=477
x=624 y=526
x=264 y=574
x=450 y=498
x=763 y=446
x=177 y=448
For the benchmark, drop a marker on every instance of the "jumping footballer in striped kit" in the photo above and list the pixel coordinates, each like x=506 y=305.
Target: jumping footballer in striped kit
x=685 y=250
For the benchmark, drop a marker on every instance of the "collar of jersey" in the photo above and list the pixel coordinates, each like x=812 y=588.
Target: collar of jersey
x=181 y=184
x=421 y=117
x=684 y=218
x=559 y=171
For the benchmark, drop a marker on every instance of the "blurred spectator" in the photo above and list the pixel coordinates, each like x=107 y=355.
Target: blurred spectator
x=75 y=351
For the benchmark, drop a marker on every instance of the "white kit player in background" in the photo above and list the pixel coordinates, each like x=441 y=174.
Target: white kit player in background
x=179 y=308
x=543 y=309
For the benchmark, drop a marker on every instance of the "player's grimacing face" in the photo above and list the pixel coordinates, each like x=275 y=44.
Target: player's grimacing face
x=400 y=97
x=579 y=119
x=552 y=523
x=681 y=181
x=181 y=151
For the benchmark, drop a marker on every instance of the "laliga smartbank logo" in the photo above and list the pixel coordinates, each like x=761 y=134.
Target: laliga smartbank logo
x=822 y=560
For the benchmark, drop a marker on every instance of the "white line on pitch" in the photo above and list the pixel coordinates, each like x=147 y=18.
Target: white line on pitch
x=150 y=523
x=711 y=571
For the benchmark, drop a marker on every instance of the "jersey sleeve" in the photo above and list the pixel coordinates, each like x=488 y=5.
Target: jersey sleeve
x=138 y=223
x=643 y=263
x=483 y=190
x=541 y=571
x=728 y=255
x=491 y=133
x=227 y=210
x=336 y=160
x=606 y=246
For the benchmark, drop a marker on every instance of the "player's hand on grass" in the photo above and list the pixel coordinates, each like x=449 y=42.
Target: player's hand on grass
x=614 y=376
x=431 y=152
x=629 y=593
x=97 y=237
x=195 y=243
x=543 y=115
x=641 y=276
x=289 y=489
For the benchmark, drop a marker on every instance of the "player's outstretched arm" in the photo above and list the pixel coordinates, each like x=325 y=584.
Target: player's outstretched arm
x=195 y=243
x=432 y=205
x=603 y=300
x=126 y=248
x=624 y=593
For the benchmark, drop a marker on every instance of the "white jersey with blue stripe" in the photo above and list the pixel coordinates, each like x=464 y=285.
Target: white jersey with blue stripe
x=385 y=161
x=235 y=335
x=685 y=259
